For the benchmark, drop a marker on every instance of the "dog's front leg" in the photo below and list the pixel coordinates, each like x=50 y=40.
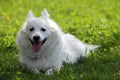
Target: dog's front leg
x=51 y=70
x=36 y=71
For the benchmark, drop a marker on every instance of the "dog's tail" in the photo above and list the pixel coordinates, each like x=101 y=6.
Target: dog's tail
x=91 y=48
x=73 y=57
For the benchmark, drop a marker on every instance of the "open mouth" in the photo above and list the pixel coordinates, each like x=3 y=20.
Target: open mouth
x=36 y=45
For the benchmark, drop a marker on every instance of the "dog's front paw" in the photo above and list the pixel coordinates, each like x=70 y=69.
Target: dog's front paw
x=49 y=71
x=36 y=71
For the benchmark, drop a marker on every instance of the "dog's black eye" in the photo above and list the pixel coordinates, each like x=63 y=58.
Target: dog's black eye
x=31 y=29
x=43 y=29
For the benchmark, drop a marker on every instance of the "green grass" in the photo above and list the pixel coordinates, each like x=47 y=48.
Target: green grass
x=92 y=21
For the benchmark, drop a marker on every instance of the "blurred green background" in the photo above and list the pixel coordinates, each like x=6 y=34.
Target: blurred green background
x=92 y=21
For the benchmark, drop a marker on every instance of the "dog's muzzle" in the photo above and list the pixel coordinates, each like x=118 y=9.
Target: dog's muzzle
x=36 y=44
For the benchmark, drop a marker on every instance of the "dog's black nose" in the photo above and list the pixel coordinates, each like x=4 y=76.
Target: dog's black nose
x=36 y=38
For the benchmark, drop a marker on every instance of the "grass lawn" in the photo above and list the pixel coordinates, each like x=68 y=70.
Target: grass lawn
x=92 y=21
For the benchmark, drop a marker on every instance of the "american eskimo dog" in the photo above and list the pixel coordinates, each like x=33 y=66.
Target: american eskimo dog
x=43 y=45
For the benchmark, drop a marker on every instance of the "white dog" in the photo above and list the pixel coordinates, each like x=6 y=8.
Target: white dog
x=43 y=45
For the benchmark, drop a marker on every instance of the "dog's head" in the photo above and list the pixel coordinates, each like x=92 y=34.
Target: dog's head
x=37 y=30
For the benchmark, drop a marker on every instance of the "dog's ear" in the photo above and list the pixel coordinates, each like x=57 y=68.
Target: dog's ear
x=30 y=15
x=45 y=14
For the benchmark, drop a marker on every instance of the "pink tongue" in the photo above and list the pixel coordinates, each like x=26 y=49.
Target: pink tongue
x=36 y=47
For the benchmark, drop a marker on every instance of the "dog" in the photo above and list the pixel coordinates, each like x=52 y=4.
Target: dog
x=44 y=46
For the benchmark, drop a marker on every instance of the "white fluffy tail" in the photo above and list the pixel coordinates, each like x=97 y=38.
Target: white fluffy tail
x=91 y=48
x=73 y=57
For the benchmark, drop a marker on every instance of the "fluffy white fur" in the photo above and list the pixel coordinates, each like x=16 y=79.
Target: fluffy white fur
x=58 y=48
